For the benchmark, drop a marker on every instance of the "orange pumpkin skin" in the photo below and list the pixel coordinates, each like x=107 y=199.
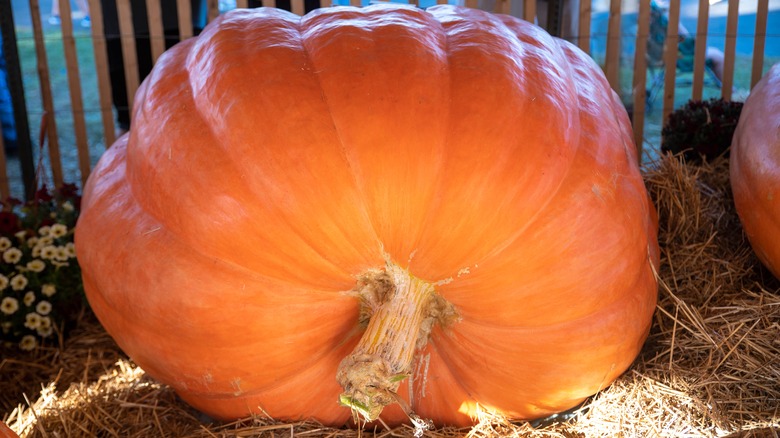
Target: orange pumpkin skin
x=275 y=158
x=6 y=432
x=754 y=167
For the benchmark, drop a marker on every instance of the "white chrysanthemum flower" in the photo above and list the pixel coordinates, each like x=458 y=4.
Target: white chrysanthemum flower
x=60 y=264
x=70 y=247
x=3 y=282
x=32 y=242
x=12 y=255
x=44 y=230
x=68 y=206
x=18 y=282
x=48 y=289
x=62 y=254
x=58 y=230
x=5 y=243
x=45 y=322
x=21 y=235
x=28 y=343
x=36 y=251
x=45 y=332
x=49 y=252
x=43 y=308
x=9 y=305
x=45 y=241
x=32 y=321
x=36 y=265
x=29 y=298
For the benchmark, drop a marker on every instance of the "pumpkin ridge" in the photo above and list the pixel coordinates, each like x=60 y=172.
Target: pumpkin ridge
x=342 y=146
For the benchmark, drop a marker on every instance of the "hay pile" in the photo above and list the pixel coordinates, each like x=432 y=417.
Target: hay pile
x=711 y=366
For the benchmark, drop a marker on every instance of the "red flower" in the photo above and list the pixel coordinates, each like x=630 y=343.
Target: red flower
x=9 y=223
x=43 y=195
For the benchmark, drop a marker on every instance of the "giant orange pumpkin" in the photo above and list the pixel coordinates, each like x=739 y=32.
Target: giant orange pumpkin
x=755 y=169
x=316 y=216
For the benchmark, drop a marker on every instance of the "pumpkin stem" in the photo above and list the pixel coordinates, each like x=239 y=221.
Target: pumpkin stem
x=401 y=311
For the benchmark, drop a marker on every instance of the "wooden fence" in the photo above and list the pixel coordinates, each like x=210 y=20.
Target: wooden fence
x=582 y=38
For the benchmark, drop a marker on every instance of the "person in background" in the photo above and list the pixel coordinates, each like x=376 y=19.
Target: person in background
x=143 y=48
x=81 y=5
x=7 y=124
x=659 y=22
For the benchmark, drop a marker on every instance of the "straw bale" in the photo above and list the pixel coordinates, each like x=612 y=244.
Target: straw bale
x=710 y=367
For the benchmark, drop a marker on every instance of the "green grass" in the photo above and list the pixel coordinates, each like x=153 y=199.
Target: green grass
x=63 y=114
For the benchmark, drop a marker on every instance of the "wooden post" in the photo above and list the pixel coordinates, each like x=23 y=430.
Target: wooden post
x=529 y=10
x=76 y=100
x=46 y=96
x=185 y=19
x=670 y=57
x=242 y=4
x=212 y=10
x=129 y=56
x=101 y=66
x=700 y=52
x=640 y=76
x=583 y=27
x=297 y=7
x=156 y=35
x=759 y=41
x=612 y=61
x=731 y=46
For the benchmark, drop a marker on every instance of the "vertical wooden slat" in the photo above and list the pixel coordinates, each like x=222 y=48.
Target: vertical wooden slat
x=529 y=10
x=355 y=3
x=472 y=4
x=326 y=3
x=640 y=76
x=729 y=52
x=612 y=61
x=583 y=26
x=156 y=36
x=74 y=86
x=503 y=7
x=700 y=52
x=269 y=3
x=101 y=67
x=297 y=8
x=242 y=3
x=129 y=57
x=441 y=2
x=46 y=95
x=759 y=42
x=670 y=57
x=212 y=10
x=184 y=10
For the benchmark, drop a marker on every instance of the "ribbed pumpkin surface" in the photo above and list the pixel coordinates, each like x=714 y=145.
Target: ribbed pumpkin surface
x=274 y=159
x=755 y=169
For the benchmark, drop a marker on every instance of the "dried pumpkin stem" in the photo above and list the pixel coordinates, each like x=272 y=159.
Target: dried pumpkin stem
x=402 y=311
